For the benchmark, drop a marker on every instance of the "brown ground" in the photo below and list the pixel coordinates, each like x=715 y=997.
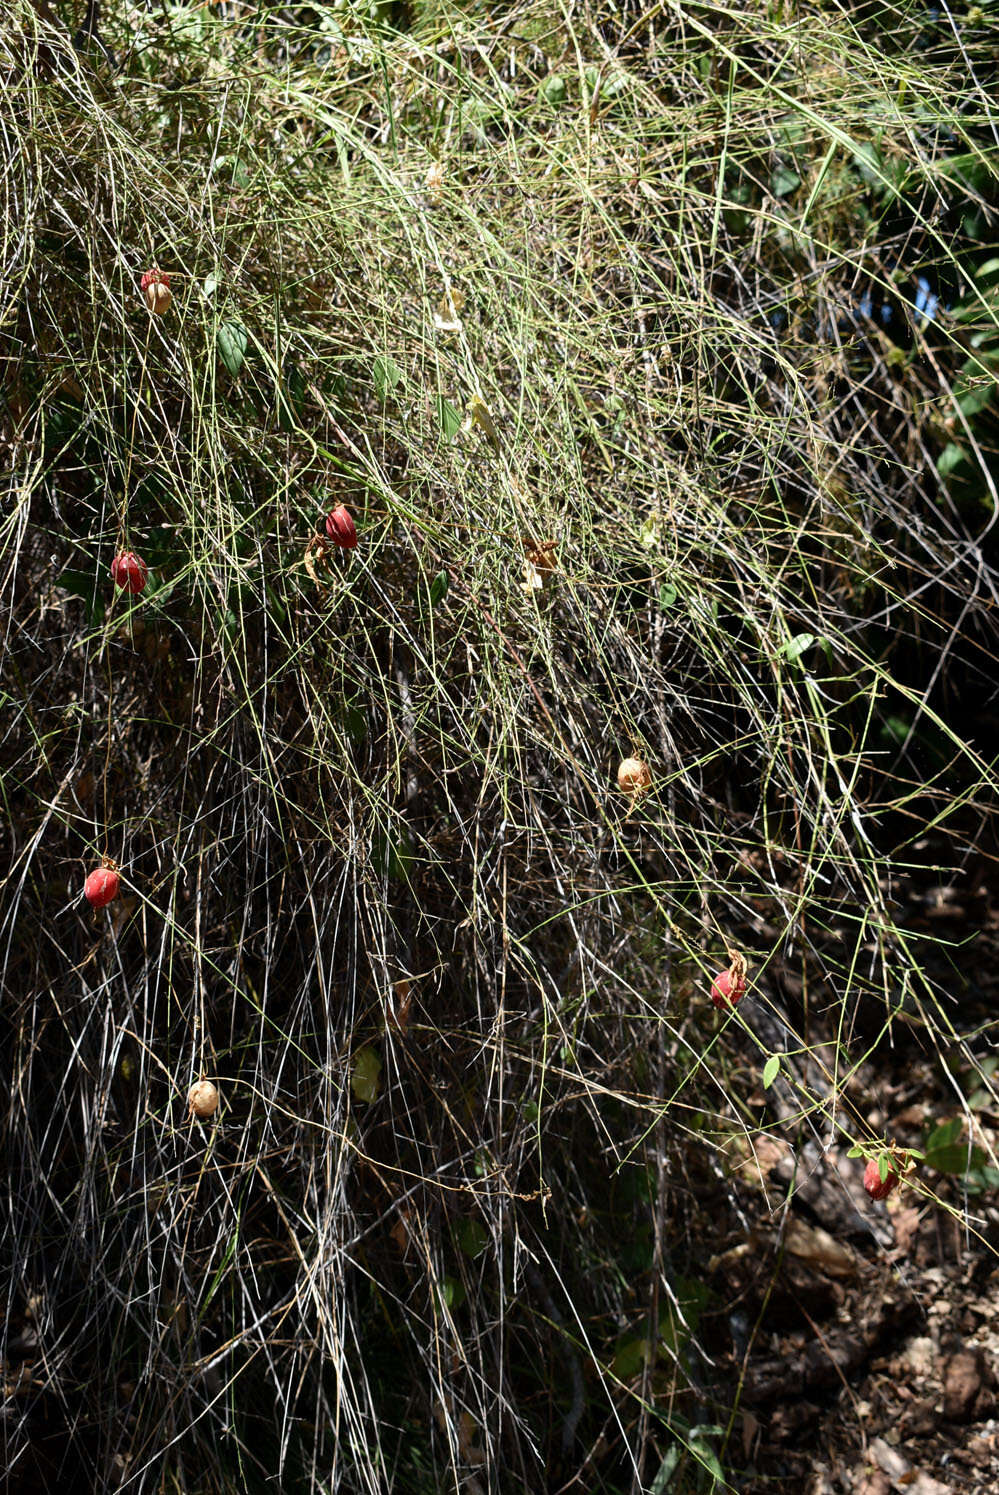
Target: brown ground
x=866 y=1335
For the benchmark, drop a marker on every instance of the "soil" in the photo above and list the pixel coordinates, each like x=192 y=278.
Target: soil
x=862 y=1338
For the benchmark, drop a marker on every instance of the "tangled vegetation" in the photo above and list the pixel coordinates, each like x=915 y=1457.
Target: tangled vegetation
x=653 y=352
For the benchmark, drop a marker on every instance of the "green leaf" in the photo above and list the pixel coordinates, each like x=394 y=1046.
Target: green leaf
x=704 y=1454
x=392 y=856
x=784 y=181
x=290 y=396
x=956 y=1158
x=667 y=595
x=355 y=720
x=430 y=593
x=452 y=1292
x=944 y=1134
x=231 y=343
x=979 y=309
x=795 y=647
x=667 y=1469
x=972 y=169
x=232 y=170
x=81 y=583
x=894 y=729
x=855 y=1152
x=386 y=374
x=554 y=91
x=438 y=588
x=771 y=1070
x=630 y=1356
x=980 y=1179
x=366 y=1075
x=473 y=1238
x=614 y=84
x=449 y=417
x=973 y=392
x=792 y=128
x=85 y=584
x=867 y=159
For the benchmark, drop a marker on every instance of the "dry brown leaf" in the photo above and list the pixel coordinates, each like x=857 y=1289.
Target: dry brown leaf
x=447 y=317
x=812 y=1244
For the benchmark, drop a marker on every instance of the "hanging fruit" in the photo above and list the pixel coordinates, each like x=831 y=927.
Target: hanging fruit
x=202 y=1100
x=729 y=987
x=102 y=887
x=129 y=571
x=340 y=528
x=633 y=776
x=155 y=286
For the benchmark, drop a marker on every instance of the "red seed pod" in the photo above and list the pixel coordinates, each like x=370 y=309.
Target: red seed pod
x=876 y=1186
x=101 y=887
x=340 y=528
x=155 y=286
x=129 y=571
x=727 y=989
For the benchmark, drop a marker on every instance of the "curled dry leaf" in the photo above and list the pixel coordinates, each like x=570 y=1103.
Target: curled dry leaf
x=403 y=1232
x=478 y=415
x=539 y=564
x=399 y=1010
x=447 y=317
x=317 y=553
x=433 y=183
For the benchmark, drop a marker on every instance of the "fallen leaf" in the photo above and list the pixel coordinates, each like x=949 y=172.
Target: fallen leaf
x=888 y=1459
x=812 y=1244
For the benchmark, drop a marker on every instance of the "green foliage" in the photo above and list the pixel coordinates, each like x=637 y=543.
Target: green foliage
x=231 y=342
x=948 y=1151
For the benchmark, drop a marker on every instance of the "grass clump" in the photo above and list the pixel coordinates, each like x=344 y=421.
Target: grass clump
x=654 y=356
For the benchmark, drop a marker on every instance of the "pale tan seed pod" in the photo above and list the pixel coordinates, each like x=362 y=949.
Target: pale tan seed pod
x=633 y=776
x=433 y=184
x=158 y=298
x=202 y=1100
x=155 y=286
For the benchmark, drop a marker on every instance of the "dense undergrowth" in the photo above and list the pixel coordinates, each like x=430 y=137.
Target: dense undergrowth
x=706 y=302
